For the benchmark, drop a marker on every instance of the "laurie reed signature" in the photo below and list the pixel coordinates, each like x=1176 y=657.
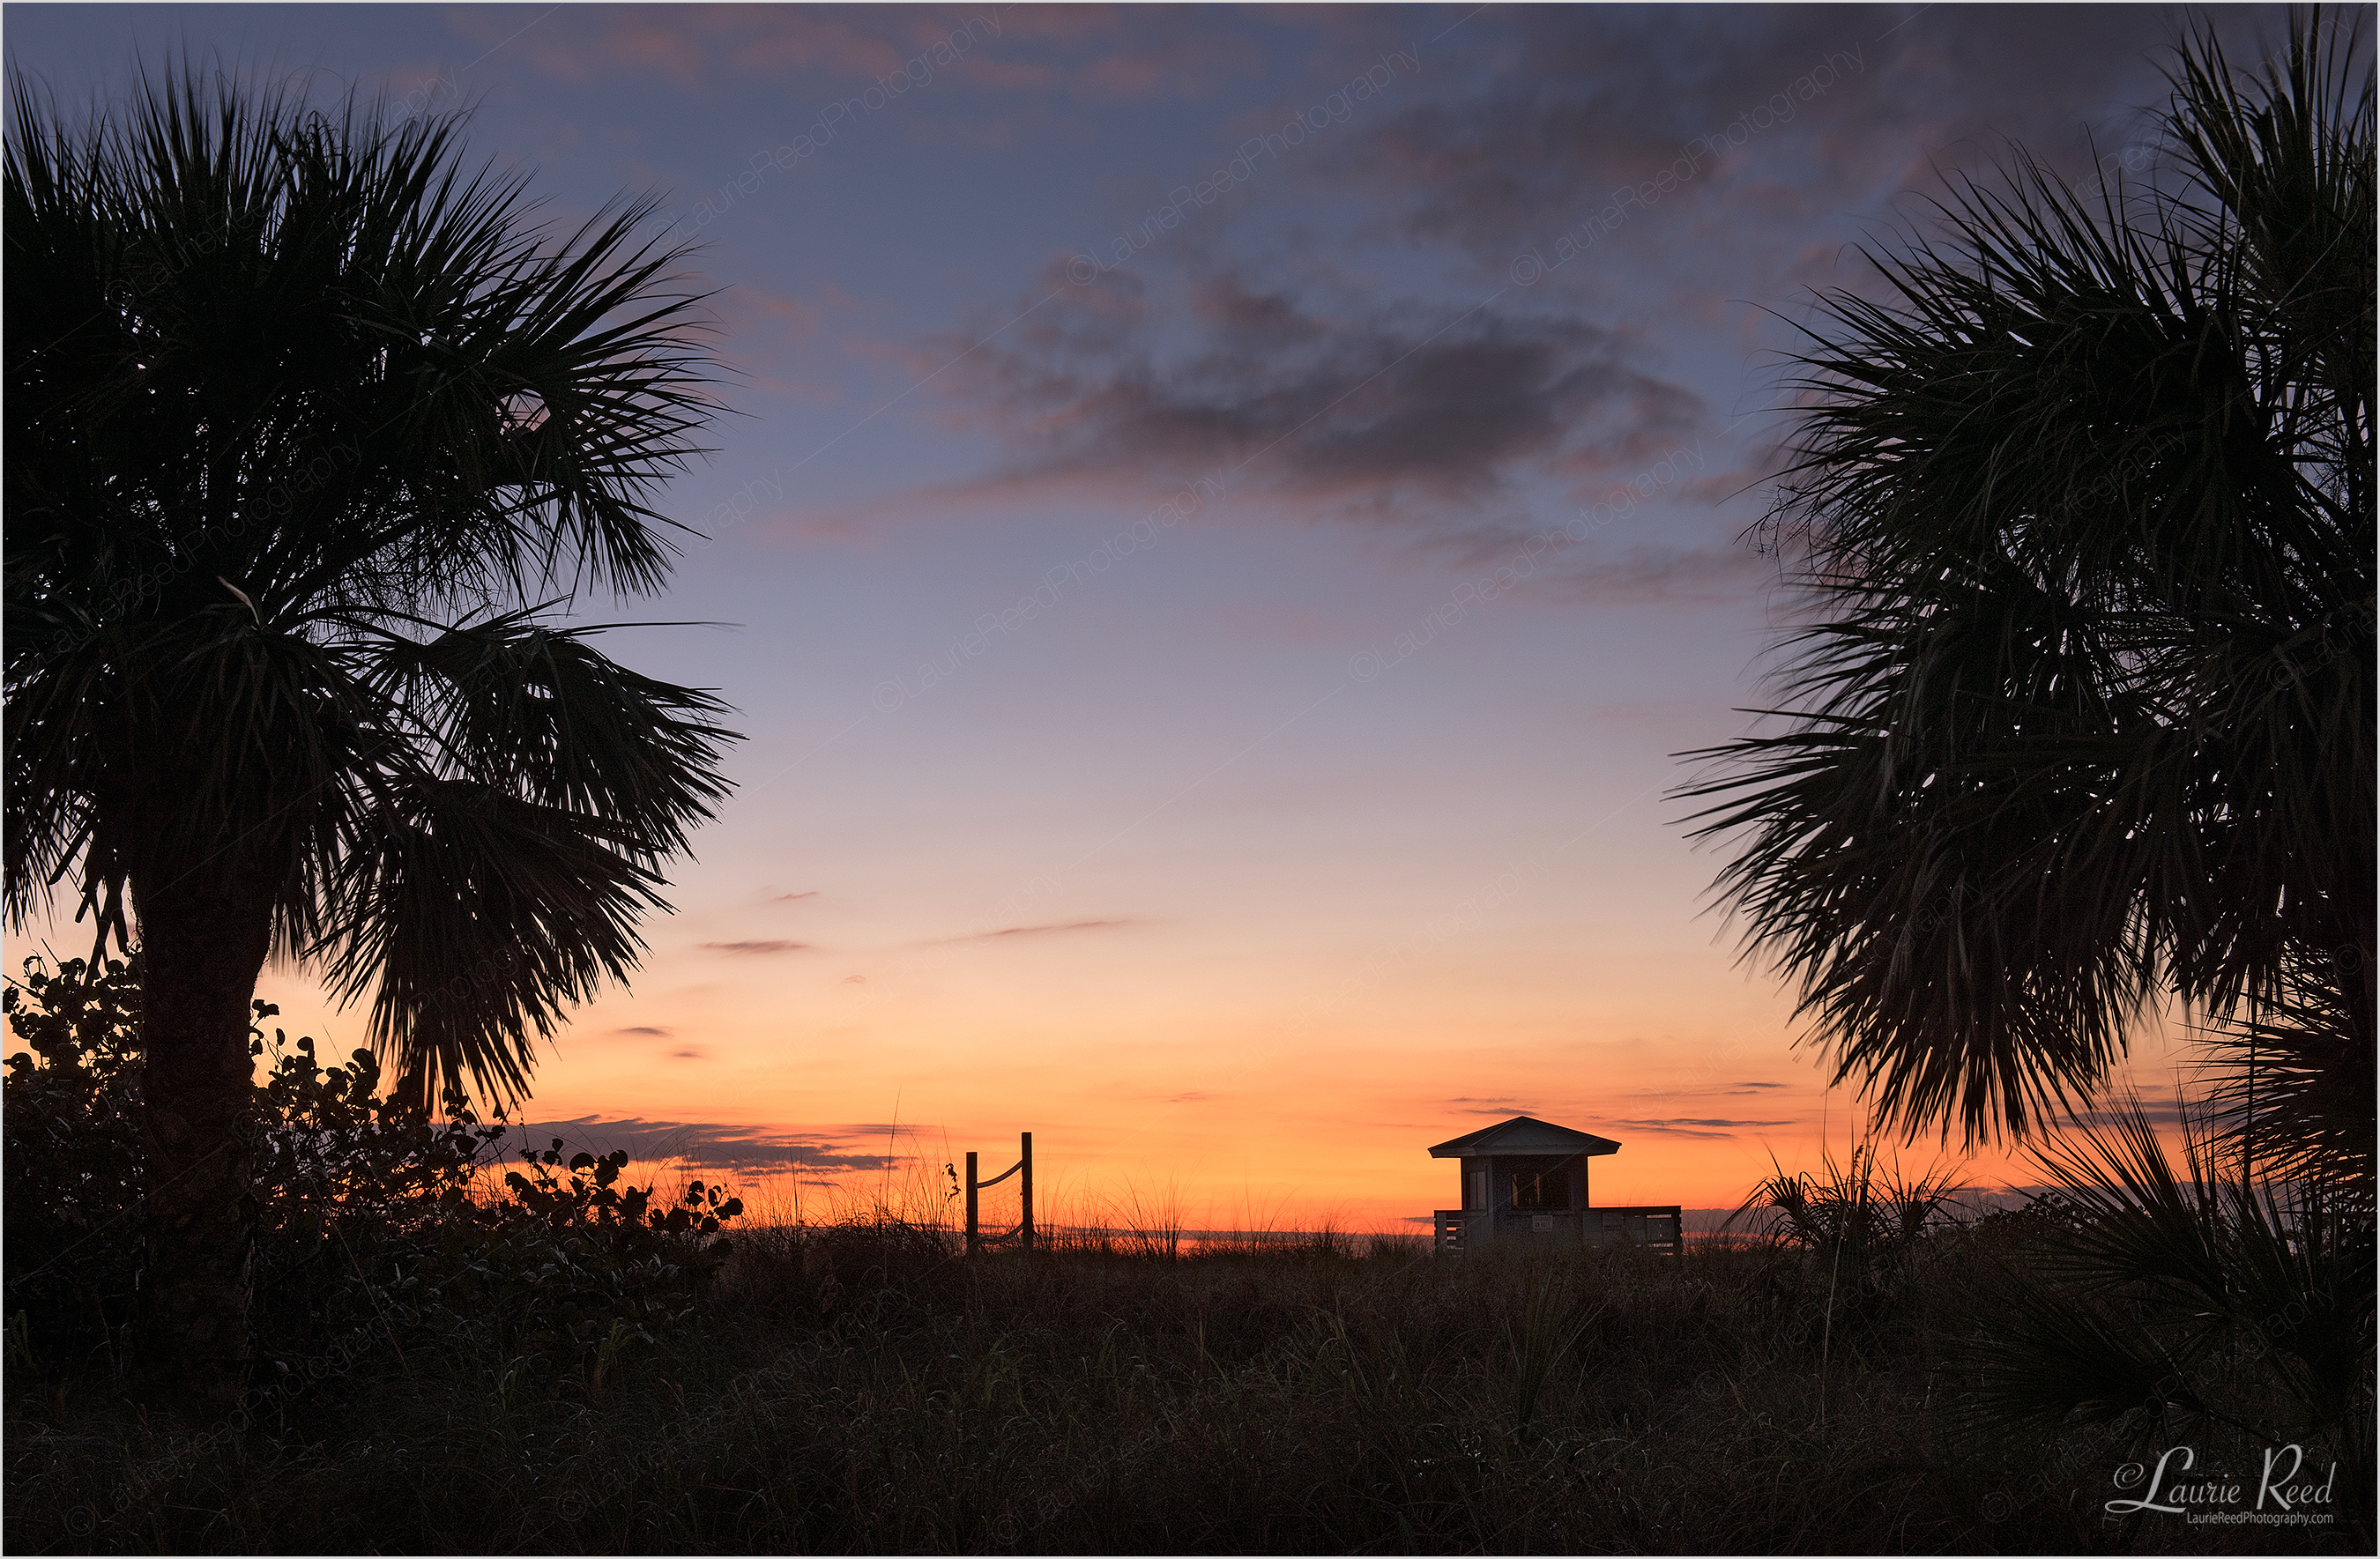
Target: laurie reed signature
x=2286 y=1495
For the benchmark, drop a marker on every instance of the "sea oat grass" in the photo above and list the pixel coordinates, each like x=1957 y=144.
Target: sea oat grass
x=866 y=1388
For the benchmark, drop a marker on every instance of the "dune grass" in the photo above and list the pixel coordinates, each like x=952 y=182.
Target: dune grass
x=864 y=1388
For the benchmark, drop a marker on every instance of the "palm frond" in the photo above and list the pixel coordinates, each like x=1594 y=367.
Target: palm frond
x=537 y=710
x=2181 y=1288
x=304 y=410
x=2291 y=1085
x=2082 y=718
x=474 y=917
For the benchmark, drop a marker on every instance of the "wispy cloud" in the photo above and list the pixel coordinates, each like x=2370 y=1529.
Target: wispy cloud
x=2159 y=1112
x=1700 y=1128
x=1053 y=929
x=1692 y=1120
x=756 y=946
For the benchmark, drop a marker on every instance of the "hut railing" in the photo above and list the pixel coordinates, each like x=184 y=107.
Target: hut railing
x=1641 y=1226
x=1657 y=1228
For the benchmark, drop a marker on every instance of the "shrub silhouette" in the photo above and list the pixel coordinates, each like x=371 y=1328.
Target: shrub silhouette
x=368 y=1210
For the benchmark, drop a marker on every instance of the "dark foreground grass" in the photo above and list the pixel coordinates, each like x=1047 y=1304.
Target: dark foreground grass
x=865 y=1391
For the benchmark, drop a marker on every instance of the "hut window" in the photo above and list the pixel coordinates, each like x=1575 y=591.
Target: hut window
x=1541 y=1189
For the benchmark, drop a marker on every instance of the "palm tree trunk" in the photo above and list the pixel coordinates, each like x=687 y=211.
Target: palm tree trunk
x=204 y=932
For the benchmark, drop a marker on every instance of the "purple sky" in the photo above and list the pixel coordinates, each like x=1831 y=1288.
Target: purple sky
x=1228 y=516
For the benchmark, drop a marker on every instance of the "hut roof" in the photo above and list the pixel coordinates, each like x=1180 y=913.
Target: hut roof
x=1524 y=1134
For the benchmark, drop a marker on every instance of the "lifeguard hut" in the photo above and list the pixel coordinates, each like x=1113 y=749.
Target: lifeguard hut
x=1526 y=1178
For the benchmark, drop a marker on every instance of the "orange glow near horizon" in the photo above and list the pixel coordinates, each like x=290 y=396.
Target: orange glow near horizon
x=1139 y=1062
x=1218 y=1114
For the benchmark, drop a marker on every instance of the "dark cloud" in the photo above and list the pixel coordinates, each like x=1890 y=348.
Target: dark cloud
x=658 y=1034
x=686 y=1056
x=756 y=946
x=1372 y=411
x=789 y=898
x=713 y=1146
x=1766 y=116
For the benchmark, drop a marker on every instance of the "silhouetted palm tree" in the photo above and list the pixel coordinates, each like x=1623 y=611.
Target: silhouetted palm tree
x=2084 y=720
x=309 y=426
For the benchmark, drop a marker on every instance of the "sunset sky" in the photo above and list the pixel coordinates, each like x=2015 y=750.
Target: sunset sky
x=1227 y=518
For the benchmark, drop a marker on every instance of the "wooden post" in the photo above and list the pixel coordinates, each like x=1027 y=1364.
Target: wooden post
x=973 y=1243
x=1026 y=1192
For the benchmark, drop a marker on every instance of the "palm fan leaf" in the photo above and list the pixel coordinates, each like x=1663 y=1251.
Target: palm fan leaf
x=2082 y=718
x=314 y=433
